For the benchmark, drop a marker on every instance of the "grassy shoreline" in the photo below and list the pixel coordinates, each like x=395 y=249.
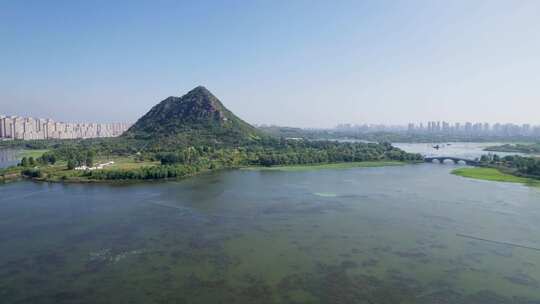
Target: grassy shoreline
x=310 y=167
x=32 y=153
x=58 y=174
x=526 y=148
x=493 y=174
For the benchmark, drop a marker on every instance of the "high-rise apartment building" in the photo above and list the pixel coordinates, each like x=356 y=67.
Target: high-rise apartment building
x=28 y=128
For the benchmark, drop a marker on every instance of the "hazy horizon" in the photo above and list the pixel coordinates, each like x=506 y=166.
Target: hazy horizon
x=300 y=64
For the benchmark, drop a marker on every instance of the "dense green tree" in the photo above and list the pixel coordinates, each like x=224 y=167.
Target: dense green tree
x=31 y=172
x=518 y=165
x=47 y=158
x=71 y=164
x=179 y=159
x=89 y=161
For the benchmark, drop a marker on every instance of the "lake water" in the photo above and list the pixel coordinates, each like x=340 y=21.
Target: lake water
x=8 y=157
x=411 y=234
x=461 y=149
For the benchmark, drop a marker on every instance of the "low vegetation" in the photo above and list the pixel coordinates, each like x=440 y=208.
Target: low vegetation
x=511 y=168
x=387 y=136
x=160 y=162
x=493 y=174
x=514 y=164
x=35 y=153
x=182 y=136
x=516 y=148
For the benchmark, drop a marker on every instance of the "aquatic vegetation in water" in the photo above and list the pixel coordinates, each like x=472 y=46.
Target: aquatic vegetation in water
x=107 y=255
x=523 y=279
x=347 y=165
x=257 y=240
x=325 y=194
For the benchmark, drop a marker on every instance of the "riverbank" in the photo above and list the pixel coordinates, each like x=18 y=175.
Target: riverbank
x=58 y=173
x=32 y=153
x=8 y=178
x=232 y=216
x=310 y=167
x=493 y=174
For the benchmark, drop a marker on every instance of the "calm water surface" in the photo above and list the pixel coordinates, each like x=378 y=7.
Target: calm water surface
x=8 y=157
x=467 y=150
x=365 y=235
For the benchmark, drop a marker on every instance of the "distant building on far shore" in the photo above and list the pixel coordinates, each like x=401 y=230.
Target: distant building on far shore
x=29 y=128
x=475 y=129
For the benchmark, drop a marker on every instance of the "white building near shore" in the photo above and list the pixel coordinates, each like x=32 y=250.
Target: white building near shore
x=96 y=167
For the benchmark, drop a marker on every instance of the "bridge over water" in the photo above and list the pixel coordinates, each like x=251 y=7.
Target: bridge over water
x=456 y=160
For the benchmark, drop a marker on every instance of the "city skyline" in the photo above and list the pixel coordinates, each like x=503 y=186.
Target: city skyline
x=419 y=125
x=31 y=128
x=51 y=116
x=450 y=128
x=475 y=128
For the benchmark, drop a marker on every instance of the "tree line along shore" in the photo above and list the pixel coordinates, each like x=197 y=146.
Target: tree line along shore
x=510 y=168
x=60 y=163
x=183 y=136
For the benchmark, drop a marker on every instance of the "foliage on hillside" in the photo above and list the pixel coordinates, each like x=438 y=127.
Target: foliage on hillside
x=195 y=118
x=191 y=134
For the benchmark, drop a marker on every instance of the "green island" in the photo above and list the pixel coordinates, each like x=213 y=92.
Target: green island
x=493 y=174
x=184 y=136
x=510 y=168
x=516 y=148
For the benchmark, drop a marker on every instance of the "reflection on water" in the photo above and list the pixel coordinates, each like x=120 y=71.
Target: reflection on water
x=8 y=157
x=364 y=235
x=467 y=150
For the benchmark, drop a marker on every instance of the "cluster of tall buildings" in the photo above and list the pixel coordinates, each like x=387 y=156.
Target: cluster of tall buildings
x=366 y=128
x=443 y=127
x=447 y=128
x=29 y=128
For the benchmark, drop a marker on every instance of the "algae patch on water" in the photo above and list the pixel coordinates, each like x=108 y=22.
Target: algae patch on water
x=325 y=194
x=345 y=165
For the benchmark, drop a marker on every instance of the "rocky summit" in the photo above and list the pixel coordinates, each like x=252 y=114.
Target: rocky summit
x=198 y=116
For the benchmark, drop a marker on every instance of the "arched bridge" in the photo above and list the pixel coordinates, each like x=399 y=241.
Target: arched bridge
x=456 y=160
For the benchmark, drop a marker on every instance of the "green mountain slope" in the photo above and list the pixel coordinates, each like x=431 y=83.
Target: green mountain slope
x=197 y=117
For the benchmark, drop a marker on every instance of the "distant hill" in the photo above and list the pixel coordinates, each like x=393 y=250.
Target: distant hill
x=197 y=117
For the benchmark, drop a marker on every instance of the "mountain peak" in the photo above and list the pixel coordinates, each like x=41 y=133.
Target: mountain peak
x=198 y=114
x=200 y=89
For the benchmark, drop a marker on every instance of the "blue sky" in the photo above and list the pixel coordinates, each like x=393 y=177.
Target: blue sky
x=296 y=63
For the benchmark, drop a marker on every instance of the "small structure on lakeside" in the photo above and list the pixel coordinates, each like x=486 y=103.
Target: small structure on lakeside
x=96 y=167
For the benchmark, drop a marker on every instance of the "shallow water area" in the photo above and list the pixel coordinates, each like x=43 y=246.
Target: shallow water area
x=406 y=234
